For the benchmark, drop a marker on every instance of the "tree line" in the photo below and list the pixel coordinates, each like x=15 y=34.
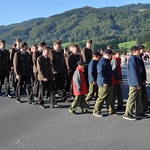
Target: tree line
x=105 y=26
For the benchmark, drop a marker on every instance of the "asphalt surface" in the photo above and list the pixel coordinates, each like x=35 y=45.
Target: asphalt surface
x=29 y=127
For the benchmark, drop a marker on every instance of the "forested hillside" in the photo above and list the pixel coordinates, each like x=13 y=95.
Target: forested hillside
x=110 y=25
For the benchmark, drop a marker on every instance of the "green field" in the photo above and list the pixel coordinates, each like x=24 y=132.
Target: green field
x=65 y=44
x=127 y=45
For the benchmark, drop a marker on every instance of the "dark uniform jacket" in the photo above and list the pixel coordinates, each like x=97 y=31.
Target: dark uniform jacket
x=12 y=53
x=86 y=55
x=104 y=72
x=134 y=71
x=22 y=63
x=4 y=60
x=92 y=71
x=72 y=62
x=44 y=68
x=58 y=61
x=35 y=55
x=144 y=77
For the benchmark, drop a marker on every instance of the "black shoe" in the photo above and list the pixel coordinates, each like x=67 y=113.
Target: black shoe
x=141 y=115
x=71 y=95
x=89 y=107
x=120 y=108
x=73 y=112
x=42 y=106
x=86 y=112
x=129 y=117
x=66 y=101
x=146 y=110
x=63 y=99
x=9 y=96
x=54 y=106
x=97 y=114
x=33 y=103
x=18 y=100
x=113 y=114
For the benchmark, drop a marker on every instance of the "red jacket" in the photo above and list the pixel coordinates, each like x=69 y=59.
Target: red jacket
x=79 y=82
x=116 y=68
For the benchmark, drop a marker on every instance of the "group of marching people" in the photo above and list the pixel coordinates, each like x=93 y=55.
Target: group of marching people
x=105 y=79
x=39 y=71
x=44 y=71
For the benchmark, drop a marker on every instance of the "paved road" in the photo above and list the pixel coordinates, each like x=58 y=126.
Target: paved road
x=29 y=127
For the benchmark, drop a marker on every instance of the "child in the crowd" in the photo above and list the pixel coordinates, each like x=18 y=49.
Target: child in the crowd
x=79 y=89
x=116 y=80
x=92 y=77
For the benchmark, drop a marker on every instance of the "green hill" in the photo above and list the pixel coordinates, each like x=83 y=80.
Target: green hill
x=127 y=45
x=106 y=26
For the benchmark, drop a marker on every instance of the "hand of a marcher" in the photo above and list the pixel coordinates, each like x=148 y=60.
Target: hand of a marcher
x=94 y=83
x=17 y=77
x=105 y=85
x=139 y=87
x=120 y=82
x=45 y=79
x=12 y=69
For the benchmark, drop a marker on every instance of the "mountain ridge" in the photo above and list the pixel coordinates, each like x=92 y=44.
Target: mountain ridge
x=103 y=25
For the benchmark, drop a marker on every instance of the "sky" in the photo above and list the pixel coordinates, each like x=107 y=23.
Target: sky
x=16 y=11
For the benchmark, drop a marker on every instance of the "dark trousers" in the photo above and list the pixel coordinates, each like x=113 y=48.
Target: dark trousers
x=144 y=98
x=71 y=83
x=32 y=78
x=116 y=93
x=59 y=81
x=4 y=79
x=13 y=80
x=86 y=76
x=26 y=80
x=68 y=81
x=71 y=88
x=60 y=84
x=49 y=86
x=36 y=85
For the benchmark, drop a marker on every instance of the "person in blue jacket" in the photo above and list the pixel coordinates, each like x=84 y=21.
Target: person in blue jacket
x=104 y=82
x=134 y=75
x=92 y=77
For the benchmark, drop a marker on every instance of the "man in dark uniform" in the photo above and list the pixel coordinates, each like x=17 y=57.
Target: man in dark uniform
x=87 y=56
x=22 y=68
x=15 y=48
x=45 y=77
x=17 y=42
x=67 y=52
x=33 y=49
x=87 y=52
x=74 y=57
x=35 y=55
x=4 y=68
x=144 y=78
x=59 y=66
